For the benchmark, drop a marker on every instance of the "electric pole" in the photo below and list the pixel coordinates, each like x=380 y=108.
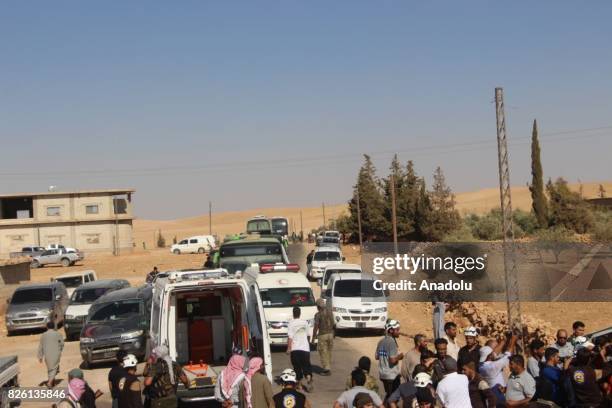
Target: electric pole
x=301 y=225
x=393 y=214
x=210 y=218
x=359 y=220
x=510 y=263
x=324 y=221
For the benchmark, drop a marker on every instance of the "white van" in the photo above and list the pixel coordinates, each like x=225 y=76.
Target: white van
x=73 y=280
x=198 y=244
x=203 y=316
x=323 y=256
x=332 y=269
x=281 y=288
x=355 y=303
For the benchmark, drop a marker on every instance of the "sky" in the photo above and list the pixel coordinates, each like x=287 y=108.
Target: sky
x=272 y=103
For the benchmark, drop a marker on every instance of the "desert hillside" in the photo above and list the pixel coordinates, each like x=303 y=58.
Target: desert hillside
x=478 y=202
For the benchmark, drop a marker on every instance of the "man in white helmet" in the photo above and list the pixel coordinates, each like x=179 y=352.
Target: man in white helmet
x=389 y=358
x=289 y=396
x=471 y=350
x=130 y=389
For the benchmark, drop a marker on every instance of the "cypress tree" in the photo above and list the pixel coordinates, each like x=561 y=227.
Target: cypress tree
x=538 y=199
x=444 y=217
x=373 y=223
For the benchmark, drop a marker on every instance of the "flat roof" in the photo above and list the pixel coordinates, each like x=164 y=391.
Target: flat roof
x=77 y=192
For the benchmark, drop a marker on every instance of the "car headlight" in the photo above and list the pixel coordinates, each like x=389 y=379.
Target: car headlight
x=131 y=335
x=380 y=310
x=86 y=340
x=339 y=310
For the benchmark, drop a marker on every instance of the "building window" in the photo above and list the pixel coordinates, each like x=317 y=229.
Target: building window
x=91 y=209
x=53 y=211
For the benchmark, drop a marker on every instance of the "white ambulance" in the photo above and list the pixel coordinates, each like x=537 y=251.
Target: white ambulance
x=203 y=317
x=281 y=288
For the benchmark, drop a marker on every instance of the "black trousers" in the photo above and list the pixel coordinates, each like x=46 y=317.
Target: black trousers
x=300 y=360
x=390 y=386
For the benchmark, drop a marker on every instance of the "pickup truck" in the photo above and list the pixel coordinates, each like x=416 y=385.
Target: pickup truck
x=29 y=251
x=60 y=246
x=9 y=373
x=56 y=256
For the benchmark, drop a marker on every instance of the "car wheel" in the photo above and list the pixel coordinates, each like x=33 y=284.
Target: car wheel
x=35 y=264
x=201 y=250
x=65 y=262
x=177 y=252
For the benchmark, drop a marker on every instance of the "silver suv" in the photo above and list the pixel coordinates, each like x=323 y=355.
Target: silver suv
x=33 y=306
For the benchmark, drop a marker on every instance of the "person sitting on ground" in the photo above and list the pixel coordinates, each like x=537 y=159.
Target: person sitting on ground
x=536 y=359
x=289 y=396
x=345 y=400
x=481 y=394
x=453 y=390
x=471 y=350
x=371 y=384
x=413 y=357
x=492 y=366
x=521 y=385
x=442 y=359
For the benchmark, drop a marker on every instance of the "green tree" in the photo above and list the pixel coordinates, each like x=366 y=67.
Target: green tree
x=368 y=190
x=567 y=209
x=444 y=217
x=161 y=241
x=538 y=199
x=422 y=219
x=405 y=198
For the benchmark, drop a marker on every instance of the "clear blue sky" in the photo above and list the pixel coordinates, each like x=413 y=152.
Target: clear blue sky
x=213 y=93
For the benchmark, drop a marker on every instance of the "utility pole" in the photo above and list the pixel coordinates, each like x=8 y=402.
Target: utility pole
x=510 y=262
x=324 y=221
x=210 y=218
x=301 y=225
x=359 y=221
x=393 y=214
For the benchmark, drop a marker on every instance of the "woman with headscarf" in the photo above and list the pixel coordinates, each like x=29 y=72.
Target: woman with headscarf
x=161 y=379
x=229 y=384
x=257 y=388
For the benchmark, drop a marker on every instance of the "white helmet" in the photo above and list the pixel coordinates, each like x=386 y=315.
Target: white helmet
x=422 y=380
x=391 y=324
x=288 y=375
x=130 y=361
x=471 y=331
x=579 y=340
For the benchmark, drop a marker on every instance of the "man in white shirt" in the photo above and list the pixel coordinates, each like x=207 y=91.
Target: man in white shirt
x=452 y=349
x=492 y=368
x=453 y=390
x=298 y=347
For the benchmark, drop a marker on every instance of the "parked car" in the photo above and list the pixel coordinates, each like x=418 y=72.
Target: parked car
x=198 y=244
x=32 y=306
x=9 y=378
x=29 y=251
x=56 y=256
x=73 y=280
x=119 y=320
x=82 y=299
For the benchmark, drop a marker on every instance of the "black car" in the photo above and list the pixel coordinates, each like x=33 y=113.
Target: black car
x=81 y=301
x=119 y=320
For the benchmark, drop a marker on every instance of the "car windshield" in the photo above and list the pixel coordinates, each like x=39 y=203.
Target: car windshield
x=262 y=226
x=280 y=226
x=332 y=234
x=326 y=256
x=87 y=296
x=330 y=272
x=331 y=240
x=287 y=297
x=71 y=282
x=31 y=296
x=272 y=250
x=357 y=288
x=120 y=310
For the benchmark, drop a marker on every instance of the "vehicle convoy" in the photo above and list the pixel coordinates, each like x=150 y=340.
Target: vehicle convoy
x=82 y=299
x=355 y=303
x=9 y=377
x=329 y=241
x=198 y=244
x=239 y=254
x=281 y=288
x=203 y=316
x=73 y=280
x=118 y=320
x=336 y=268
x=33 y=306
x=28 y=251
x=276 y=227
x=56 y=256
x=323 y=256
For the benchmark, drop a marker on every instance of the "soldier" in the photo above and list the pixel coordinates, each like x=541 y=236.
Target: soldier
x=162 y=376
x=371 y=383
x=324 y=332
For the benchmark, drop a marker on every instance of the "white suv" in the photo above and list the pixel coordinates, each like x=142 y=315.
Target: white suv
x=323 y=256
x=198 y=244
x=355 y=303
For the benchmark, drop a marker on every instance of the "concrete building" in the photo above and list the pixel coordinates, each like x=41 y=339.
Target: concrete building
x=91 y=221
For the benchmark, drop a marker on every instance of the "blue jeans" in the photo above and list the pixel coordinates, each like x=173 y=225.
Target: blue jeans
x=499 y=396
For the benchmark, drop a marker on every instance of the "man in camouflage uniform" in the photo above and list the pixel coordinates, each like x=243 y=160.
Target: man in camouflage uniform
x=161 y=379
x=371 y=383
x=324 y=332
